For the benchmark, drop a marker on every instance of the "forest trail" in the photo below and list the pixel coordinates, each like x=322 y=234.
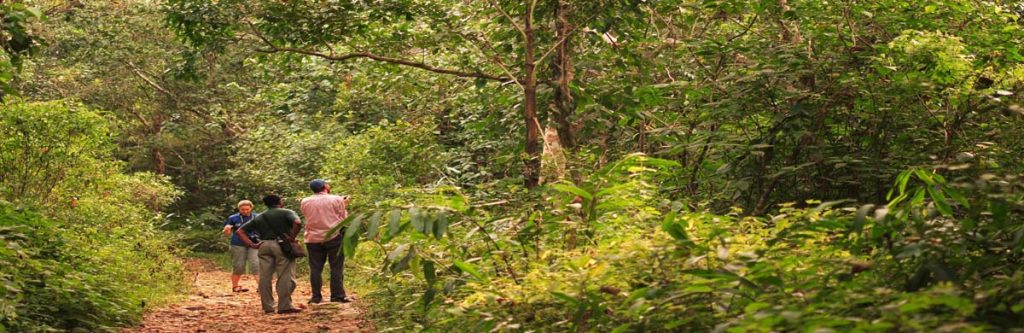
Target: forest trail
x=212 y=307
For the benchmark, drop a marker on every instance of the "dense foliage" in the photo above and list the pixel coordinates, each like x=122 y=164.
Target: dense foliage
x=93 y=259
x=562 y=165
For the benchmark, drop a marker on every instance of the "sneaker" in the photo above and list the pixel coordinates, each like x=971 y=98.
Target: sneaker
x=289 y=311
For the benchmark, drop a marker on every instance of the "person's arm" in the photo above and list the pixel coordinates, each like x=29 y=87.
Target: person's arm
x=243 y=233
x=296 y=225
x=245 y=239
x=295 y=228
x=342 y=207
x=227 y=227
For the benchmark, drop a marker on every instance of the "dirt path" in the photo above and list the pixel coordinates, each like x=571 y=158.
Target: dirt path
x=212 y=307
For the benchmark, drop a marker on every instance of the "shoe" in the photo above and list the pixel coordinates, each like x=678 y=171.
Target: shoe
x=239 y=289
x=268 y=311
x=315 y=300
x=341 y=300
x=289 y=311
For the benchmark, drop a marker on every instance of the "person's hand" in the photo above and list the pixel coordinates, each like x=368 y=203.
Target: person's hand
x=255 y=245
x=227 y=230
x=346 y=199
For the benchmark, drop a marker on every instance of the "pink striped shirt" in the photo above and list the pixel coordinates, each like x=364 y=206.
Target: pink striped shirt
x=323 y=211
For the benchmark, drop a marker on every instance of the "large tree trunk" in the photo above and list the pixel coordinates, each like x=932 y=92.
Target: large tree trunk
x=531 y=169
x=564 y=105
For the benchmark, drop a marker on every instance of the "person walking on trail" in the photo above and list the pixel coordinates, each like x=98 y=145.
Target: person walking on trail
x=272 y=224
x=323 y=211
x=241 y=254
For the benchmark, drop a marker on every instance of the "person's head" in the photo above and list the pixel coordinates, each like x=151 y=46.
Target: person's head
x=272 y=200
x=319 y=185
x=245 y=207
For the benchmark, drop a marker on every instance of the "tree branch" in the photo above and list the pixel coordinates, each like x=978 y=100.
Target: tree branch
x=152 y=83
x=555 y=45
x=397 y=61
x=509 y=17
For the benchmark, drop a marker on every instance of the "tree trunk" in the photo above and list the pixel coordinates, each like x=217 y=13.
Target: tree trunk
x=564 y=105
x=531 y=169
x=158 y=161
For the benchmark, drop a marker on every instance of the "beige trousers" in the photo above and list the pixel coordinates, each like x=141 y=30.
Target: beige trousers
x=272 y=261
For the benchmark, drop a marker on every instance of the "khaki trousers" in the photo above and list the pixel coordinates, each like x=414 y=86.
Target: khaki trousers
x=272 y=261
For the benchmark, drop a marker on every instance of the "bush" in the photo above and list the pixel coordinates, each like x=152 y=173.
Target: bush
x=83 y=248
x=48 y=145
x=64 y=277
x=611 y=254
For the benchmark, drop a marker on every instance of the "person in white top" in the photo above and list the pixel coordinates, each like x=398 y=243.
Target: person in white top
x=323 y=211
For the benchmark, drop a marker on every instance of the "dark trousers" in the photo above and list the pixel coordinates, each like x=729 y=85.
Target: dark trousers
x=319 y=254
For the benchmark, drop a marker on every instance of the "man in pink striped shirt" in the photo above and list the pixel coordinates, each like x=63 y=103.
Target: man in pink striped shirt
x=323 y=211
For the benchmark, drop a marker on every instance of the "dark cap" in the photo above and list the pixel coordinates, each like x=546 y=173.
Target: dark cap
x=317 y=185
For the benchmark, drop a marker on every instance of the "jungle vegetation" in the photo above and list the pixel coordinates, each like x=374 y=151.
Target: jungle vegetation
x=555 y=165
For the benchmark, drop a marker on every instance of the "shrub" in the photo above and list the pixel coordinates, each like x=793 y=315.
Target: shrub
x=82 y=247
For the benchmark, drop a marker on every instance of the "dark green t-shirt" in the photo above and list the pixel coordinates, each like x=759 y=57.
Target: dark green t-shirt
x=272 y=223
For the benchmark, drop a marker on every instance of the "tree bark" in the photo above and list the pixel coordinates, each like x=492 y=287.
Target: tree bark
x=564 y=105
x=531 y=168
x=158 y=161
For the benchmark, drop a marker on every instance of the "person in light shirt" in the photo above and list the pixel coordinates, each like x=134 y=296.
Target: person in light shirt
x=241 y=256
x=323 y=211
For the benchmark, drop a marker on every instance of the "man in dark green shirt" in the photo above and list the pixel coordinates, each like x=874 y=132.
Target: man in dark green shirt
x=276 y=221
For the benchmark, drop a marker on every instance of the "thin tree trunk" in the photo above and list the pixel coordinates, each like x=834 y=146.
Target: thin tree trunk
x=531 y=169
x=565 y=106
x=158 y=161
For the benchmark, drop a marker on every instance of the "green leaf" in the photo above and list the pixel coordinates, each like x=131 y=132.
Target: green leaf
x=441 y=226
x=428 y=296
x=334 y=230
x=925 y=176
x=398 y=251
x=918 y=198
x=351 y=240
x=35 y=12
x=428 y=223
x=349 y=245
x=860 y=219
x=429 y=273
x=354 y=226
x=403 y=264
x=564 y=297
x=721 y=275
x=902 y=180
x=674 y=229
x=416 y=219
x=622 y=328
x=375 y=220
x=940 y=201
x=956 y=196
x=469 y=269
x=566 y=188
x=394 y=222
